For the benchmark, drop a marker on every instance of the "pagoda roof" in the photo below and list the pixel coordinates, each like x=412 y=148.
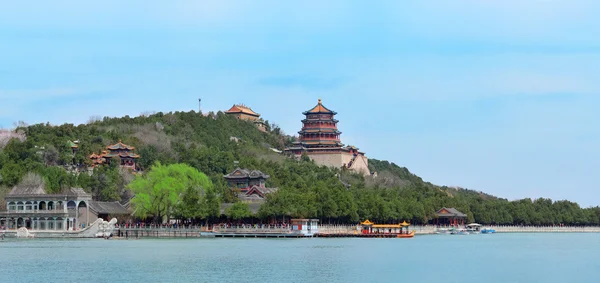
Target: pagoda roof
x=320 y=120
x=320 y=130
x=120 y=146
x=319 y=109
x=324 y=142
x=243 y=109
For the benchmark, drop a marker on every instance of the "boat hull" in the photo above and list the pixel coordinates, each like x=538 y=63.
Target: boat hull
x=98 y=229
x=409 y=235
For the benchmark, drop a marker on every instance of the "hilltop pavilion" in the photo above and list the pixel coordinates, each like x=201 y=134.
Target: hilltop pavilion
x=245 y=113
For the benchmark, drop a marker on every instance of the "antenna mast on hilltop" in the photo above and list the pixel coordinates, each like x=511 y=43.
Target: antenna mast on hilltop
x=199 y=105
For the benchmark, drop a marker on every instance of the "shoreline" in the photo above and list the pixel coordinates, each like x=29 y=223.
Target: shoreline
x=325 y=231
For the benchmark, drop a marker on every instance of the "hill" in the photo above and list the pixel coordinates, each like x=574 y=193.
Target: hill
x=212 y=144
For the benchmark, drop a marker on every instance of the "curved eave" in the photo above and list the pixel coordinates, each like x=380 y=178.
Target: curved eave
x=316 y=143
x=242 y=112
x=320 y=120
x=319 y=132
x=319 y=112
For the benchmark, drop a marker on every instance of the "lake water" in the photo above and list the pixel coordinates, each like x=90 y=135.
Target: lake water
x=448 y=258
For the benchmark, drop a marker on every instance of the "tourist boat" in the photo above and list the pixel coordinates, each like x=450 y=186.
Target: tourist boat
x=474 y=228
x=370 y=229
x=487 y=231
x=299 y=228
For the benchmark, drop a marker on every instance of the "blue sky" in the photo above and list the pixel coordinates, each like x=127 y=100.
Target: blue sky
x=497 y=96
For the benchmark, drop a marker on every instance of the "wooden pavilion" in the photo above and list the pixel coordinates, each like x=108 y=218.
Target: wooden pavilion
x=450 y=216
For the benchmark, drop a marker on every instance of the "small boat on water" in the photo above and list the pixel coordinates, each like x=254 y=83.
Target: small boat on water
x=474 y=228
x=487 y=231
x=370 y=229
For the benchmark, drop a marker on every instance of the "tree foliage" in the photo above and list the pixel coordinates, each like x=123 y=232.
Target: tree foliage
x=238 y=210
x=168 y=190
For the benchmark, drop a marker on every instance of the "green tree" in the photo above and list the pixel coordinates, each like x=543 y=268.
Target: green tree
x=238 y=210
x=190 y=206
x=159 y=192
x=103 y=184
x=212 y=204
x=57 y=179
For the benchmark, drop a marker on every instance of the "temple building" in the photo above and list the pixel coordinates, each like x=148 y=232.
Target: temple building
x=245 y=113
x=249 y=184
x=31 y=207
x=125 y=153
x=450 y=216
x=319 y=138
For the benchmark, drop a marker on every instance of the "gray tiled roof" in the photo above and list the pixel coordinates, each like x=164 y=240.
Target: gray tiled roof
x=27 y=190
x=452 y=212
x=78 y=192
x=249 y=196
x=112 y=208
x=239 y=173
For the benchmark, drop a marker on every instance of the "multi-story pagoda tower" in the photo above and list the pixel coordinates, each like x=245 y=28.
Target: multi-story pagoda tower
x=319 y=138
x=319 y=129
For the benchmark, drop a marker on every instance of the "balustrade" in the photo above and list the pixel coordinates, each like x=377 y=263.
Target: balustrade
x=44 y=211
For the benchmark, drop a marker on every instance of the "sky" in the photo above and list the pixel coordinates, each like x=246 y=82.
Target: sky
x=494 y=96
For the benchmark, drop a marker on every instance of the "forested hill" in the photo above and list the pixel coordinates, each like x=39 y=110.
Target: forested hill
x=212 y=144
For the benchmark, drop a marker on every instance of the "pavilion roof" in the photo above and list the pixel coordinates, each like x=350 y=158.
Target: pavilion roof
x=450 y=212
x=112 y=208
x=243 y=109
x=120 y=146
x=122 y=155
x=256 y=192
x=319 y=119
x=240 y=173
x=320 y=130
x=387 y=226
x=72 y=144
x=38 y=190
x=323 y=142
x=319 y=109
x=22 y=190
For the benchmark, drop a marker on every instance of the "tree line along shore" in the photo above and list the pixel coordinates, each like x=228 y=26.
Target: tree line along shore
x=191 y=152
